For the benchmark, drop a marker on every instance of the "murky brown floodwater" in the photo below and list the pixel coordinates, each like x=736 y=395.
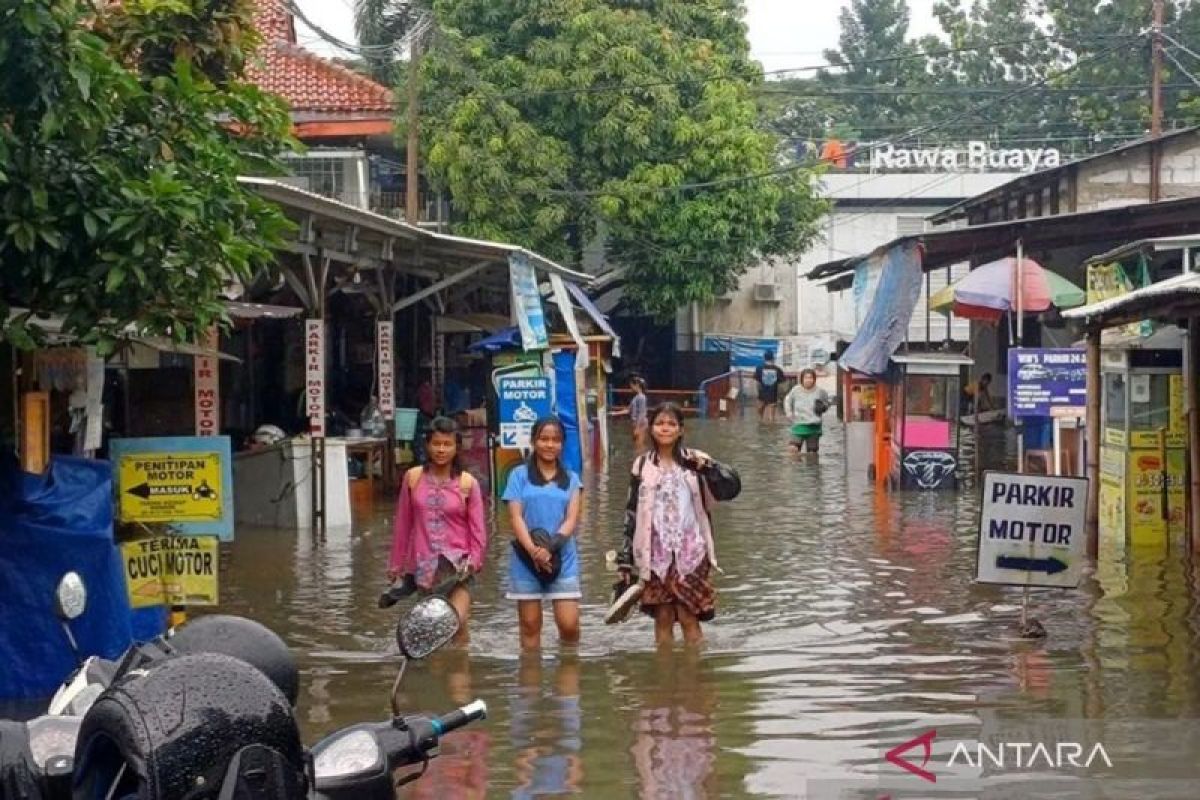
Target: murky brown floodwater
x=847 y=624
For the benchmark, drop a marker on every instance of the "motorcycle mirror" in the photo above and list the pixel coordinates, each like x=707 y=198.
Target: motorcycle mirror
x=428 y=626
x=70 y=598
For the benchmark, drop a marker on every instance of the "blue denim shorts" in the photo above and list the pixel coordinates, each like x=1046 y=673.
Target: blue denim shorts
x=524 y=585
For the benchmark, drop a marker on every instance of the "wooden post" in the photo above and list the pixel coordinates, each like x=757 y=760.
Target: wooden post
x=412 y=171
x=1093 y=434
x=1191 y=362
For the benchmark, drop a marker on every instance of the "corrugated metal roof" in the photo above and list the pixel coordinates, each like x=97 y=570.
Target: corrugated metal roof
x=1160 y=300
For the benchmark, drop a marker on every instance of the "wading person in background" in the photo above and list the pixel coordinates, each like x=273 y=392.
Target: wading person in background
x=668 y=539
x=768 y=376
x=638 y=414
x=544 y=503
x=975 y=396
x=804 y=406
x=439 y=536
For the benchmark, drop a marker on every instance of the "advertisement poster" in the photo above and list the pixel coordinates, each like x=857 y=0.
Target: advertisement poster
x=1148 y=521
x=527 y=303
x=1047 y=382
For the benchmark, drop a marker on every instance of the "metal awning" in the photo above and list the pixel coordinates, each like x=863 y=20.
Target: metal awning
x=1164 y=244
x=357 y=236
x=239 y=310
x=1172 y=218
x=1173 y=298
x=51 y=328
x=934 y=359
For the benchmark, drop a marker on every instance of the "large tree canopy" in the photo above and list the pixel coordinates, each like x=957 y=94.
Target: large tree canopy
x=553 y=123
x=124 y=134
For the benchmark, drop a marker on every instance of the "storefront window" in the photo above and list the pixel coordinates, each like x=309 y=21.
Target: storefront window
x=1149 y=402
x=1114 y=401
x=928 y=396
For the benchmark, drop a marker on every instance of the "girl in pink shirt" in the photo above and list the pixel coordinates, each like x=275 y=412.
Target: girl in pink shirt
x=439 y=531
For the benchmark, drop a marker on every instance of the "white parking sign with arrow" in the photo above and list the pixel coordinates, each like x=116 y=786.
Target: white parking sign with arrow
x=1031 y=531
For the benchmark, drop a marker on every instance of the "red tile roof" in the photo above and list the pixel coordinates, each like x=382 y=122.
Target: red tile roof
x=306 y=81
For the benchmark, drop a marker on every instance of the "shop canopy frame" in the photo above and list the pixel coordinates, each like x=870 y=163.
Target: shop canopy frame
x=1172 y=218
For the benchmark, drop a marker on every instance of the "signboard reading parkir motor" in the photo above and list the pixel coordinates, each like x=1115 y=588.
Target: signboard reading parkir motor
x=1031 y=531
x=523 y=401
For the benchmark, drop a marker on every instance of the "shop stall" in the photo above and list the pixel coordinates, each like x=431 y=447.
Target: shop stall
x=917 y=439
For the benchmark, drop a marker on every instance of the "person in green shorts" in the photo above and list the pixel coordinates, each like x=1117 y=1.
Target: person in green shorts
x=804 y=406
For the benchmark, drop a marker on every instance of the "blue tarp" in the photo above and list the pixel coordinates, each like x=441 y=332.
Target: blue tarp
x=49 y=525
x=745 y=352
x=506 y=339
x=885 y=326
x=564 y=396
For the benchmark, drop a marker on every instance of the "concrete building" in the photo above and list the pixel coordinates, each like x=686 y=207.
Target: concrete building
x=776 y=303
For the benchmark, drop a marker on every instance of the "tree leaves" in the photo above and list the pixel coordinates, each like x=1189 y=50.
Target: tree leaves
x=549 y=122
x=119 y=202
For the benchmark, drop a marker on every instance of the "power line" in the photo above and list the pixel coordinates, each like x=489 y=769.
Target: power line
x=912 y=133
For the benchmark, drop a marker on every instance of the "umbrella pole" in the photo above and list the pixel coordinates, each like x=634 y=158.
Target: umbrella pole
x=1020 y=293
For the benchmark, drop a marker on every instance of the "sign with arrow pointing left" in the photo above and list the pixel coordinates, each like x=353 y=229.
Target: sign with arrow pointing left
x=1031 y=530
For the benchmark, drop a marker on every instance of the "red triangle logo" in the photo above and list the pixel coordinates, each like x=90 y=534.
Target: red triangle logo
x=925 y=741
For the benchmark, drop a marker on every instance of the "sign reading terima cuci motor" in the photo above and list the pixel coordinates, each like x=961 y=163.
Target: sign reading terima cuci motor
x=172 y=570
x=1031 y=531
x=523 y=401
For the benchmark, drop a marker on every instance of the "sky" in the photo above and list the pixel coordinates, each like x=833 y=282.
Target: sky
x=783 y=33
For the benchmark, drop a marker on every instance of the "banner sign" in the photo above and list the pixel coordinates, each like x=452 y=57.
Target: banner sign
x=184 y=481
x=172 y=570
x=523 y=401
x=387 y=381
x=314 y=373
x=563 y=300
x=527 y=303
x=1031 y=531
x=207 y=382
x=745 y=352
x=1047 y=382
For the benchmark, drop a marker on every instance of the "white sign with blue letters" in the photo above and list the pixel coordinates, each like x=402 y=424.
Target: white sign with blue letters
x=1031 y=531
x=523 y=401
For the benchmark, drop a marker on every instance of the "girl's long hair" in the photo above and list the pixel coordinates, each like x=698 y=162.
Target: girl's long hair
x=562 y=478
x=447 y=426
x=672 y=410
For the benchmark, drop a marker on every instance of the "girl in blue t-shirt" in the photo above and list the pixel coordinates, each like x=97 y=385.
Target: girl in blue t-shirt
x=543 y=495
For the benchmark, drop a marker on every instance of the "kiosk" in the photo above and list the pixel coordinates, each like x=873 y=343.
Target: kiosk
x=1143 y=452
x=917 y=440
x=860 y=395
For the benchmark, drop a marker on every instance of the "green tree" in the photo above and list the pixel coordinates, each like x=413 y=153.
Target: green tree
x=549 y=122
x=875 y=57
x=125 y=132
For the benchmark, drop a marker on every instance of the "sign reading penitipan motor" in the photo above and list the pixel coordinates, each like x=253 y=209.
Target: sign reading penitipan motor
x=1031 y=531
x=182 y=481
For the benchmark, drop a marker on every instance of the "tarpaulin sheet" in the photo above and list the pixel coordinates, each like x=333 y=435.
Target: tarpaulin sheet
x=886 y=324
x=565 y=402
x=49 y=525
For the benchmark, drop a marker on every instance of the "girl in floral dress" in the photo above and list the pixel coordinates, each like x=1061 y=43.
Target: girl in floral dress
x=668 y=534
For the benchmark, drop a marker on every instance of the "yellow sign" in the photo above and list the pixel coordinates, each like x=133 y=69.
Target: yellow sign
x=172 y=570
x=1114 y=437
x=1106 y=281
x=1178 y=402
x=1149 y=522
x=170 y=487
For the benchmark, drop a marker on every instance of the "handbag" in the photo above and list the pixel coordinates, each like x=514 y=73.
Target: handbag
x=542 y=538
x=722 y=480
x=820 y=407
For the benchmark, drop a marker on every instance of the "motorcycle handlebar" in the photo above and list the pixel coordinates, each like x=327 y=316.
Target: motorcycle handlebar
x=469 y=713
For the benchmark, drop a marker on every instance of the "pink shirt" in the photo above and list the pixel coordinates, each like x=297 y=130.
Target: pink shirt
x=431 y=522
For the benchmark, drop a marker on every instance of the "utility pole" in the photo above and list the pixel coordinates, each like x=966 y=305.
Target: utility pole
x=1156 y=104
x=412 y=175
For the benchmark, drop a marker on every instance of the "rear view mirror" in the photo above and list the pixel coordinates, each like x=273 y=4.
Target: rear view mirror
x=428 y=626
x=70 y=598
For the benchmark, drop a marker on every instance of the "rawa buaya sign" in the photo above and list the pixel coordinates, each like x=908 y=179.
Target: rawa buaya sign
x=973 y=157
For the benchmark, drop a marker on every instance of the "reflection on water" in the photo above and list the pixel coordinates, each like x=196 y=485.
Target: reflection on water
x=847 y=623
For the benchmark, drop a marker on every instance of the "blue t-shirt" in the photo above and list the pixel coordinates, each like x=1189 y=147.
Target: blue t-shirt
x=545 y=507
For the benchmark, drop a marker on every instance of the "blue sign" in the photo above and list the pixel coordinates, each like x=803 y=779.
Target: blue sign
x=1047 y=382
x=745 y=352
x=523 y=401
x=527 y=303
x=185 y=482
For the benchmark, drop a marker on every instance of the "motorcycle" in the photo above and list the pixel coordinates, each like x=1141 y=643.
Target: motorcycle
x=146 y=736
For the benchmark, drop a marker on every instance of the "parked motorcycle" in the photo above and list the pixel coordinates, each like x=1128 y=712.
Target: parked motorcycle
x=168 y=724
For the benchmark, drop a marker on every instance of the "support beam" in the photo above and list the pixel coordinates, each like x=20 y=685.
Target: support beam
x=1191 y=363
x=1094 y=434
x=433 y=289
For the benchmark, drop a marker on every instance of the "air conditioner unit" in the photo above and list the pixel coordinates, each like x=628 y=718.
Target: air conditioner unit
x=767 y=293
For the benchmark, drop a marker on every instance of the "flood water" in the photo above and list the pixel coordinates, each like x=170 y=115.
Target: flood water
x=847 y=624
